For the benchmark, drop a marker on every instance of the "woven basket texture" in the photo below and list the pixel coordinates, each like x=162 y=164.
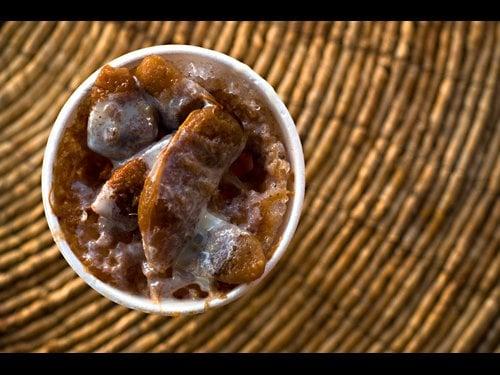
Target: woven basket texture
x=398 y=244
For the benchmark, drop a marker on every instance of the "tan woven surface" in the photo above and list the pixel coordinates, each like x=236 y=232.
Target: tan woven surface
x=398 y=245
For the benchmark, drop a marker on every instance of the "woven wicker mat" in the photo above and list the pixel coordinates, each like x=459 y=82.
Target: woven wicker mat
x=398 y=245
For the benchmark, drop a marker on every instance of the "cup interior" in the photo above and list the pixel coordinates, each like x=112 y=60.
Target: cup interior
x=180 y=54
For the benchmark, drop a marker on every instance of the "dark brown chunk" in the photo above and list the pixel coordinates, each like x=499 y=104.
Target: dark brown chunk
x=119 y=197
x=247 y=262
x=127 y=183
x=182 y=180
x=112 y=80
x=157 y=74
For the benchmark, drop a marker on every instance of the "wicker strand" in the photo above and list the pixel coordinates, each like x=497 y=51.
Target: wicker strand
x=397 y=248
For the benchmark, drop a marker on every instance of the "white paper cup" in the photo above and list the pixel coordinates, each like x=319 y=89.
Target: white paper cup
x=289 y=137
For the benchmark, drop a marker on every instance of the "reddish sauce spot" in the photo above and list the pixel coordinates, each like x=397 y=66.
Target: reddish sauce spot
x=228 y=191
x=256 y=175
x=224 y=287
x=190 y=291
x=242 y=165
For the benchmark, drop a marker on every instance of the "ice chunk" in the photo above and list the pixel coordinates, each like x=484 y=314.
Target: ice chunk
x=219 y=250
x=149 y=154
x=121 y=124
x=176 y=96
x=216 y=244
x=184 y=97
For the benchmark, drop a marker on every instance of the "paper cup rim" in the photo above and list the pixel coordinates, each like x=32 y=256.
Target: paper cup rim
x=292 y=144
